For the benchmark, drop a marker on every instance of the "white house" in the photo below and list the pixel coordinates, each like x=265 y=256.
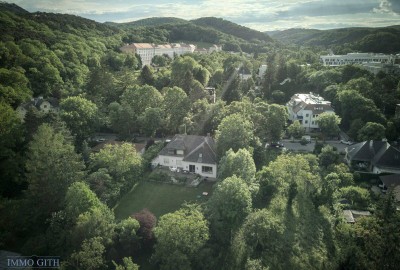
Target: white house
x=192 y=153
x=306 y=108
x=41 y=104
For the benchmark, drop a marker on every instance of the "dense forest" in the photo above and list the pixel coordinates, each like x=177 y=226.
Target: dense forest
x=270 y=209
x=344 y=40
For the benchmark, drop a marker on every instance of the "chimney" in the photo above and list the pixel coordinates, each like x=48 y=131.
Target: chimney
x=371 y=147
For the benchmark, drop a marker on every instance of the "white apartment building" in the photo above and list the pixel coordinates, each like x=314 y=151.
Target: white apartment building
x=306 y=108
x=147 y=51
x=355 y=58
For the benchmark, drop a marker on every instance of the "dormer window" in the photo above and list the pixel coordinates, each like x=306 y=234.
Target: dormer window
x=179 y=152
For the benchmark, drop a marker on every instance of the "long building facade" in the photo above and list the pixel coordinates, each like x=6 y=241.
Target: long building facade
x=147 y=51
x=355 y=58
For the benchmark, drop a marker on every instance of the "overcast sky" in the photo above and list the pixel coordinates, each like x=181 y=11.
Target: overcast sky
x=262 y=15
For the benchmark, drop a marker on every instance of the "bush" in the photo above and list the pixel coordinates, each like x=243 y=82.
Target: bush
x=159 y=177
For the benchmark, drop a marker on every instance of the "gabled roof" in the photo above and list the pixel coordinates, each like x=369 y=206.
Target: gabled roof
x=391 y=180
x=197 y=149
x=365 y=151
x=388 y=157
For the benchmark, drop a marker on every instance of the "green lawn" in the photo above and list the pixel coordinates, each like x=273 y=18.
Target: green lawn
x=159 y=198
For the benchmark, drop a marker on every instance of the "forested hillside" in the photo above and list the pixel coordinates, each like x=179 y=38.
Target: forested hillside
x=155 y=21
x=65 y=172
x=378 y=40
x=232 y=29
x=231 y=36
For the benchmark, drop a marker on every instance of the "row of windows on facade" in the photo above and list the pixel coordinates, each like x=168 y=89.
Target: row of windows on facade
x=204 y=169
x=314 y=115
x=306 y=122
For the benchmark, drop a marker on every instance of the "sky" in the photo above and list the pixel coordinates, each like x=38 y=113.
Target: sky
x=262 y=15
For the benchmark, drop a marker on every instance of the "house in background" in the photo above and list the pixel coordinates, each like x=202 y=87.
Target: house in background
x=41 y=104
x=306 y=108
x=375 y=156
x=191 y=153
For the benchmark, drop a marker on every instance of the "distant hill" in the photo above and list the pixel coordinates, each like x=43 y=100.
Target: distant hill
x=12 y=8
x=383 y=39
x=154 y=21
x=231 y=28
x=231 y=36
x=71 y=23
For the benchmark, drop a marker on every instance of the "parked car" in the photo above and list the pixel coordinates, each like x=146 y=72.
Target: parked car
x=275 y=144
x=346 y=142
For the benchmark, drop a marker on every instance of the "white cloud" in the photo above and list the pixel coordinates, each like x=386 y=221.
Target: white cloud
x=261 y=15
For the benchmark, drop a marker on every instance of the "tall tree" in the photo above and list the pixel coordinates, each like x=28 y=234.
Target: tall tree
x=123 y=163
x=180 y=235
x=234 y=132
x=276 y=118
x=329 y=124
x=240 y=164
x=80 y=115
x=146 y=75
x=371 y=131
x=228 y=208
x=11 y=136
x=52 y=166
x=175 y=106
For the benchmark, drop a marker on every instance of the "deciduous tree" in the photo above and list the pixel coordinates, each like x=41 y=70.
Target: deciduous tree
x=329 y=124
x=228 y=207
x=234 y=132
x=180 y=235
x=371 y=131
x=52 y=166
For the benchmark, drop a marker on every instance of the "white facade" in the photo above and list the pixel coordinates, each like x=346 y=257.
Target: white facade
x=306 y=108
x=205 y=170
x=355 y=58
x=261 y=71
x=147 y=51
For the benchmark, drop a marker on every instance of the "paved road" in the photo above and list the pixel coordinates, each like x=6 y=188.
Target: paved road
x=296 y=146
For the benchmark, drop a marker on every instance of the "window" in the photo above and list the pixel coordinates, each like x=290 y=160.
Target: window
x=307 y=114
x=192 y=168
x=179 y=152
x=166 y=160
x=313 y=122
x=206 y=169
x=306 y=122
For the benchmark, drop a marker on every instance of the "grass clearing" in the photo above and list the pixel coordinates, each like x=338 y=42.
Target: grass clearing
x=160 y=198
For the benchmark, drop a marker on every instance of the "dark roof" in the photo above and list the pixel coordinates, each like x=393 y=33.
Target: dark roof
x=198 y=149
x=390 y=181
x=365 y=151
x=389 y=158
x=379 y=153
